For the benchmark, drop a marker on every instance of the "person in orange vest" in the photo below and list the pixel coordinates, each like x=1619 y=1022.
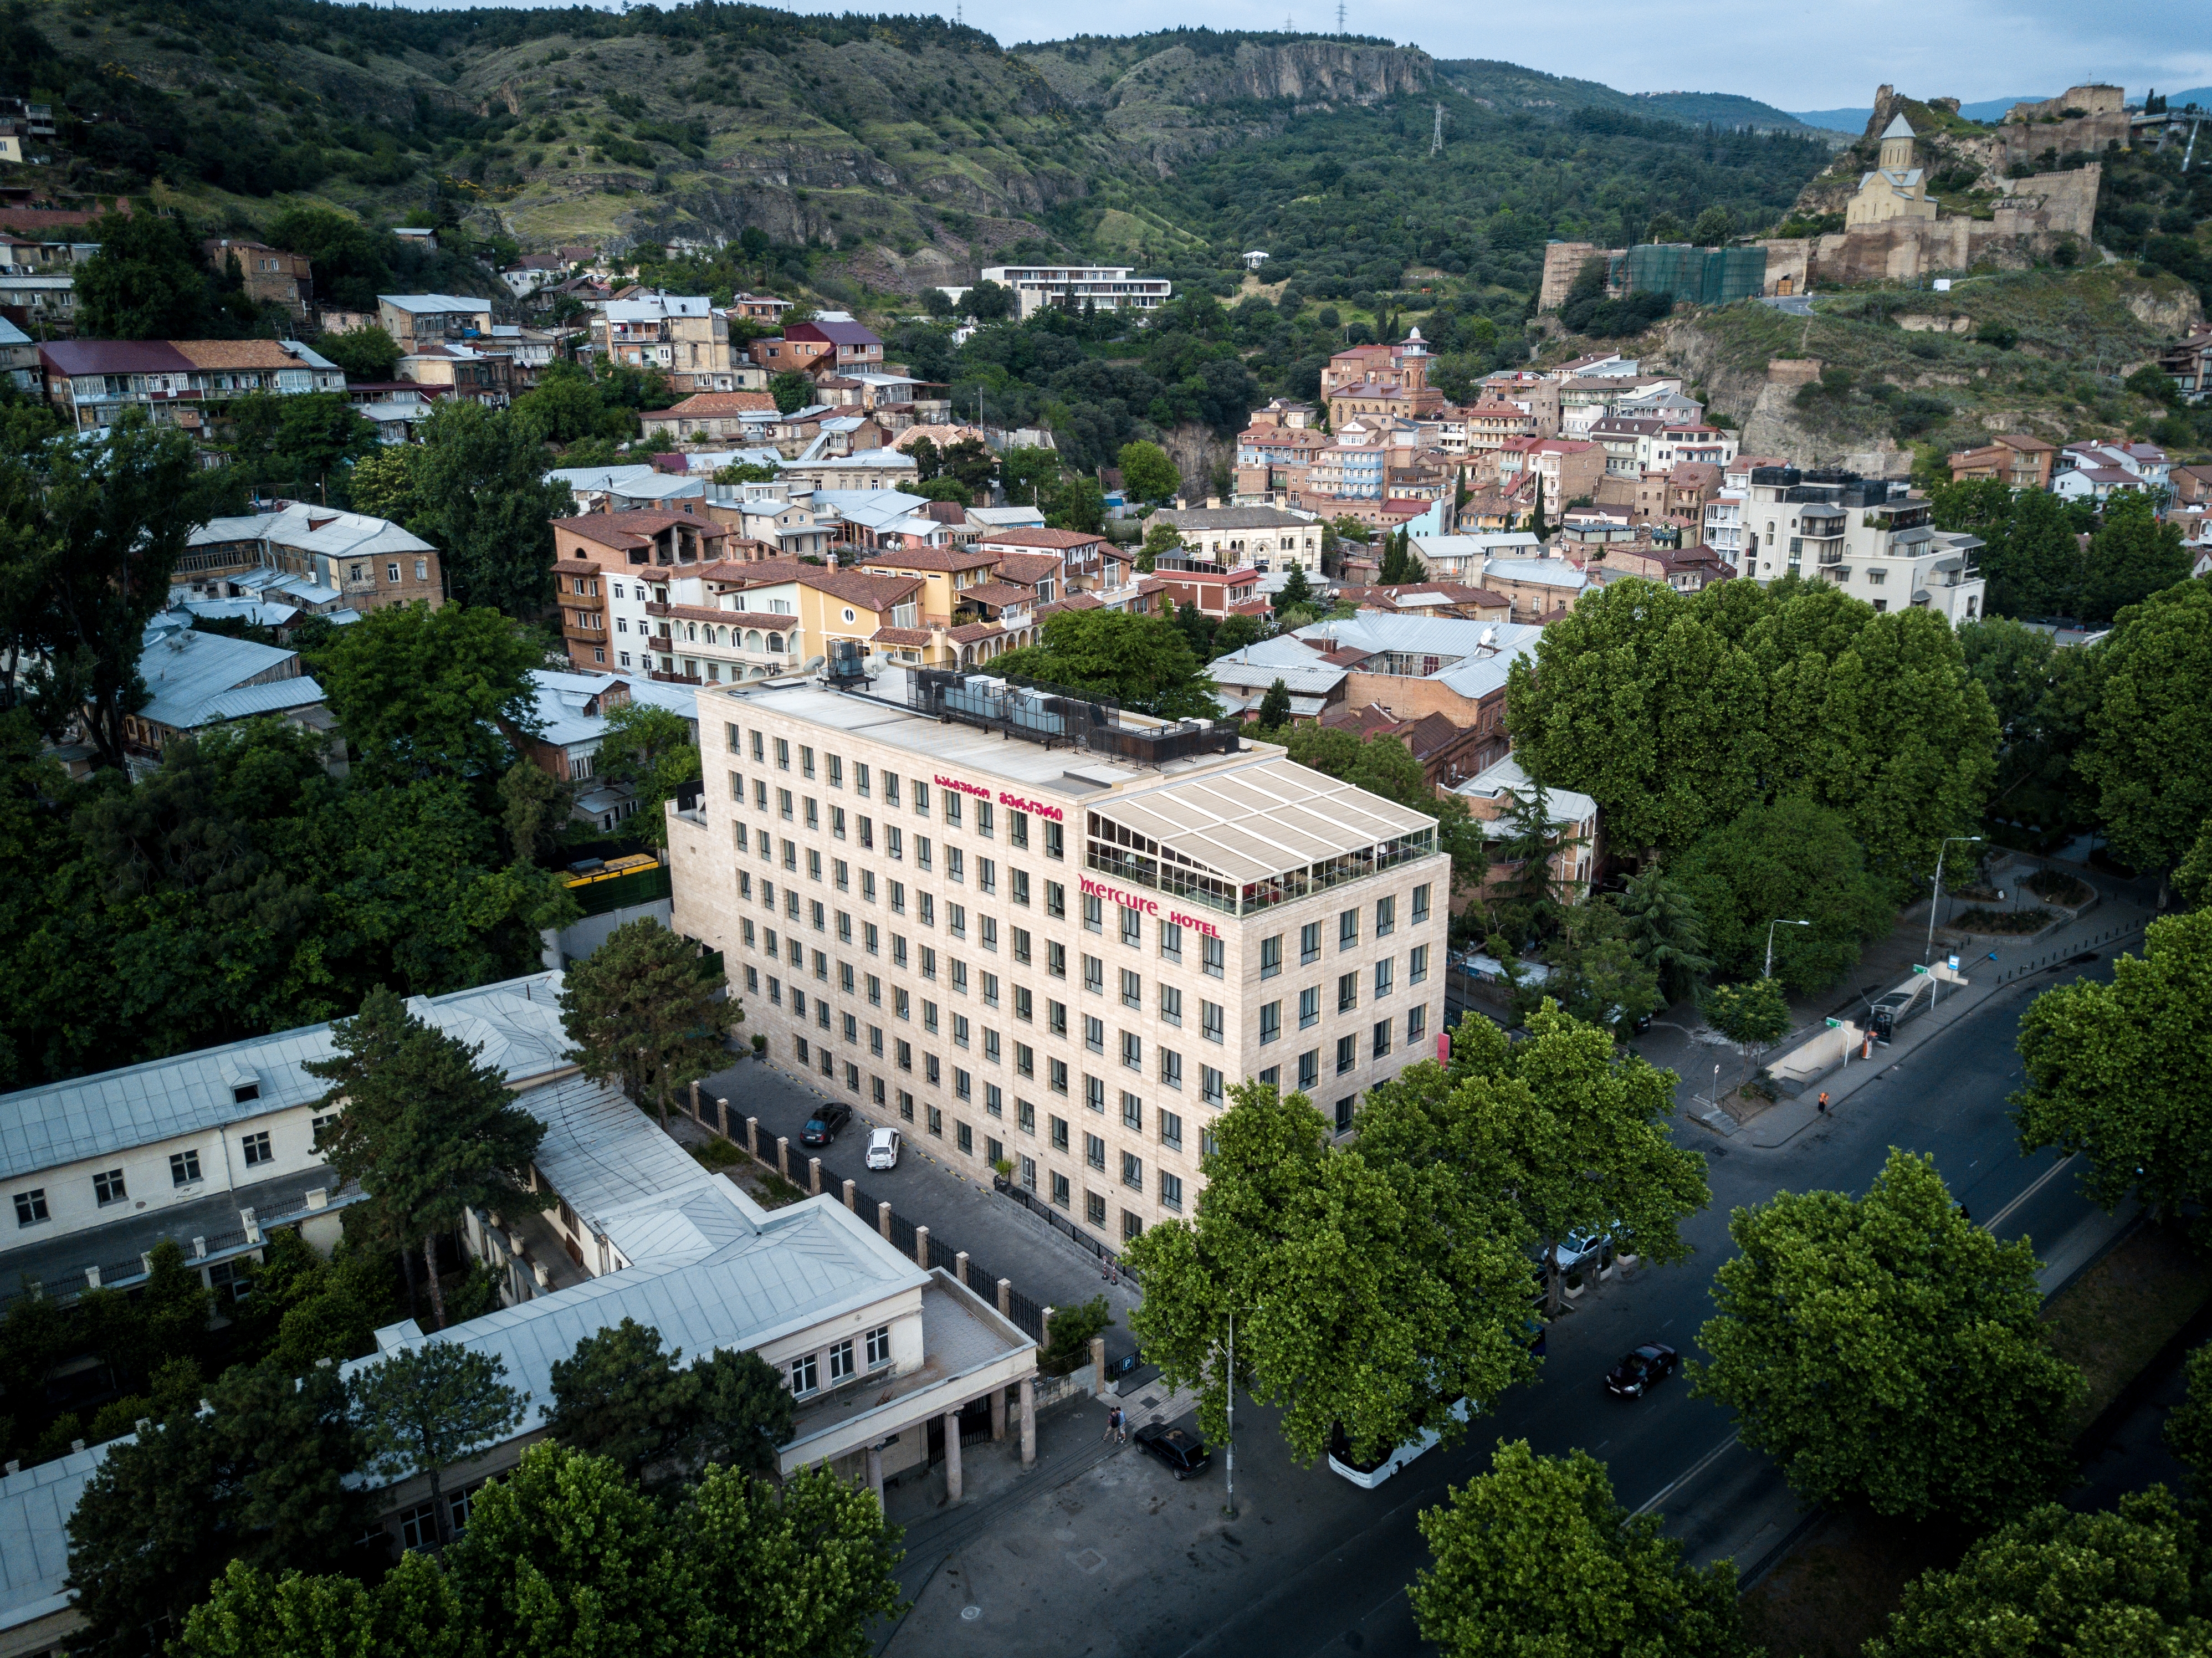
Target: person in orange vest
x=1824 y=1102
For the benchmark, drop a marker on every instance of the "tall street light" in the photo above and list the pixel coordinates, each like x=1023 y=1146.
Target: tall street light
x=1770 y=926
x=1936 y=896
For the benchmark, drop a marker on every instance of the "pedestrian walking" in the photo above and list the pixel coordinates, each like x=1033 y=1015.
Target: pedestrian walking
x=1113 y=1423
x=1824 y=1102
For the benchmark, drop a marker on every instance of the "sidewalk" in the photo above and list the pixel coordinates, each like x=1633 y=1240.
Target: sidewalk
x=930 y=1187
x=2109 y=927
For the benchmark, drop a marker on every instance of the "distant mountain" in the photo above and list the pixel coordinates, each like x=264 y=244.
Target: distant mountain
x=1852 y=121
x=1508 y=88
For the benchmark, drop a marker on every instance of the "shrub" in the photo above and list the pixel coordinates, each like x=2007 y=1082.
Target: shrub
x=2002 y=921
x=2058 y=886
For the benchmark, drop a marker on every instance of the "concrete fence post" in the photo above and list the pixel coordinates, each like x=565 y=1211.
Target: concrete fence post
x=1044 y=1328
x=694 y=1102
x=814 y=1176
x=921 y=1248
x=752 y=1138
x=722 y=1116
x=783 y=1156
x=850 y=1202
x=1006 y=1297
x=1098 y=1364
x=960 y=1267
x=883 y=1220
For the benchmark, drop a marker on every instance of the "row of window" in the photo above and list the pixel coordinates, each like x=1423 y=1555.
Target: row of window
x=870 y=784
x=804 y=1374
x=109 y=1187
x=791 y=808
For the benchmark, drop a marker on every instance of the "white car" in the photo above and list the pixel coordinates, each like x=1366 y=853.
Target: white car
x=1578 y=1247
x=882 y=1148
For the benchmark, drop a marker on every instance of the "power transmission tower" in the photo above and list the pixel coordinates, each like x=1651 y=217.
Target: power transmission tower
x=1437 y=139
x=1340 y=16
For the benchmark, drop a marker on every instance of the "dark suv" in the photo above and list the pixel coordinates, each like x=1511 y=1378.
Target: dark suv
x=1183 y=1454
x=821 y=1128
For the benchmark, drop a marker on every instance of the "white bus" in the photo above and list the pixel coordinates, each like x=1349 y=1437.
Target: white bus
x=1367 y=1475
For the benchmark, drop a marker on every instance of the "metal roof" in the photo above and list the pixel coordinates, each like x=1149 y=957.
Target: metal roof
x=1505 y=779
x=432 y=303
x=1263 y=819
x=186 y=670
x=278 y=696
x=517 y=1023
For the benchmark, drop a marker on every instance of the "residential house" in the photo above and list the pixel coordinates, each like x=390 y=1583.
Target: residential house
x=19 y=359
x=463 y=371
x=832 y=344
x=1100 y=288
x=1498 y=794
x=417 y=320
x=46 y=302
x=775 y=518
x=708 y=417
x=1537 y=588
x=879 y=470
x=1486 y=425
x=2192 y=485
x=2189 y=363
x=532 y=273
x=1211 y=592
x=1869 y=535
x=2020 y=460
x=2093 y=470
x=1723 y=529
x=196 y=681
x=1262 y=538
x=605 y=567
x=570 y=713
x=1446 y=751
x=1686 y=569
x=1244 y=677
x=271 y=276
x=1431 y=598
x=396 y=408
x=759 y=307
x=881 y=611
x=179 y=382
x=635 y=487
x=326 y=562
x=1082 y=557
x=682 y=334
x=1462 y=557
x=1413 y=666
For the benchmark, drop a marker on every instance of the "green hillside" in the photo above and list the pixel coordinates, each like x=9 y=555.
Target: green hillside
x=1508 y=87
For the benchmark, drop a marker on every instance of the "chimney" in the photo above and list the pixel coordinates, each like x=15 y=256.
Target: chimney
x=1213 y=502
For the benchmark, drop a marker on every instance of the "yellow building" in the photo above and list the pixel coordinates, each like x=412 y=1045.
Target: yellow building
x=1896 y=189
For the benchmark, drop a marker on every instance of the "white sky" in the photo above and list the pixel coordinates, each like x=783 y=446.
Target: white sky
x=1795 y=54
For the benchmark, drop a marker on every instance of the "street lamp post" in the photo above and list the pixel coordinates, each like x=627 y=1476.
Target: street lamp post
x=1936 y=896
x=1229 y=1450
x=1770 y=926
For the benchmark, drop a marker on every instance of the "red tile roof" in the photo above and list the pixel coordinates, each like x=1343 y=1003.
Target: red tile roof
x=1064 y=540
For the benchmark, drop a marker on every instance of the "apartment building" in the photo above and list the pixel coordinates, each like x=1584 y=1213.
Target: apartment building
x=316 y=558
x=1868 y=535
x=682 y=334
x=1268 y=539
x=1038 y=933
x=416 y=319
x=1102 y=287
x=2021 y=460
x=177 y=381
x=271 y=274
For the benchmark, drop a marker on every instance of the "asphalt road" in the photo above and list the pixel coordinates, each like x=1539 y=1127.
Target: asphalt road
x=1670 y=1451
x=1314 y=1565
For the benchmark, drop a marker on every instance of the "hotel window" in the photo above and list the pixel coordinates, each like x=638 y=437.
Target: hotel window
x=1344 y=1113
x=1271 y=957
x=1386 y=917
x=987 y=928
x=1055 y=959
x=921 y=852
x=960 y=1030
x=1417 y=1025
x=1055 y=901
x=956 y=862
x=1133 y=1171
x=1094 y=1095
x=1094 y=976
x=1210 y=1021
x=1383 y=970
x=1021 y=945
x=1094 y=1033
x=963 y=1137
x=1171 y=1068
x=1170 y=1004
x=1018 y=830
x=1133 y=989
x=1348 y=929
x=1170 y=1131
x=991 y=1047
x=1055 y=841
x=1059 y=1126
x=1309 y=942
x=1055 y=1017
x=1310 y=1067
x=1132 y=1050
x=1381 y=1037
x=1171 y=1190
x=936 y=1122
x=1059 y=1190
x=1210 y=1085
x=1025 y=1116
x=1133 y=1112
x=1421 y=904
x=952 y=799
x=1171 y=941
x=1094 y=913
x=1133 y=928
x=1347 y=1053
x=1271 y=1022
x=1019 y=886
x=1056 y=1075
x=1215 y=958
x=1094 y=1208
x=1094 y=1151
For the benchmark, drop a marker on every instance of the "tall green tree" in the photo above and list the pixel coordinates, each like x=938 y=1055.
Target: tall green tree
x=426 y=1131
x=2153 y=778
x=1753 y=1015
x=791 y=391
x=2129 y=1581
x=820 y=1546
x=534 y=809
x=650 y=749
x=299 y=443
x=1296 y=590
x=423 y=693
x=1147 y=474
x=1536 y=1557
x=260 y=1477
x=483 y=497
x=1791 y=860
x=1275 y=709
x=2042 y=696
x=383 y=483
x=640 y=1014
x=1885 y=1348
x=148 y=282
x=1666 y=931
x=115 y=515
x=413 y=1612
x=2189 y=1425
x=1143 y=662
x=1312 y=1250
x=424 y=1406
x=2121 y=1073
x=366 y=354
x=2133 y=555
x=618 y=1395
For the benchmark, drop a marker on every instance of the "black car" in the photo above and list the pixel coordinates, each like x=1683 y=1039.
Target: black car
x=1647 y=1364
x=1183 y=1454
x=821 y=1128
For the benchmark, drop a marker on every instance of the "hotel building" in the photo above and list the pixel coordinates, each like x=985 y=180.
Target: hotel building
x=1034 y=931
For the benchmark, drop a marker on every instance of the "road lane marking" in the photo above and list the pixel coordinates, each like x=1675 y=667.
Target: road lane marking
x=1696 y=1468
x=2042 y=1181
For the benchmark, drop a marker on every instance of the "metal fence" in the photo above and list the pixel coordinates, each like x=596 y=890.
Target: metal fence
x=2065 y=953
x=1058 y=1222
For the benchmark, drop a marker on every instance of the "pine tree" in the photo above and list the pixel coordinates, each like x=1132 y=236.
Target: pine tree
x=1275 y=707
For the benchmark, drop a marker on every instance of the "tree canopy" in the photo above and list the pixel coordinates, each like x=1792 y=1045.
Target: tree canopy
x=618 y=1395
x=2121 y=1073
x=1537 y=1558
x=1141 y=661
x=1887 y=1348
x=422 y=1408
x=430 y=693
x=1792 y=861
x=650 y=749
x=482 y=497
x=640 y=1013
x=2153 y=778
x=1677 y=713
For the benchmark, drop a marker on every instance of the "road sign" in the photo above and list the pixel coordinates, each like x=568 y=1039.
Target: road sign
x=1954 y=964
x=1917 y=967
x=1835 y=1024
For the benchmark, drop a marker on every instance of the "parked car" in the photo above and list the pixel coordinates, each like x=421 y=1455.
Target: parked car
x=1650 y=1363
x=883 y=1148
x=1184 y=1453
x=1578 y=1247
x=821 y=1128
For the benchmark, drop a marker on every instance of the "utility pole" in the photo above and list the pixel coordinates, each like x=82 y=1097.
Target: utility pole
x=1437 y=139
x=1936 y=895
x=1228 y=1451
